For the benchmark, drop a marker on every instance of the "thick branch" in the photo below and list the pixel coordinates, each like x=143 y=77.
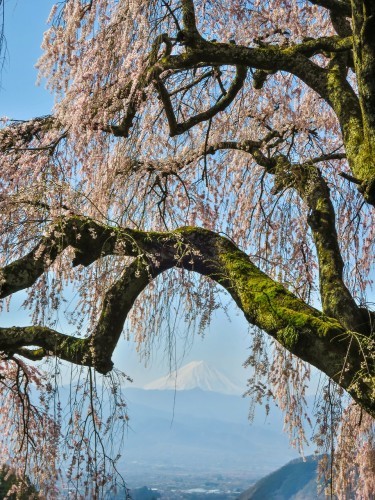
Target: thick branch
x=340 y=6
x=313 y=189
x=23 y=272
x=117 y=304
x=189 y=21
x=301 y=329
x=337 y=301
x=14 y=340
x=90 y=240
x=363 y=21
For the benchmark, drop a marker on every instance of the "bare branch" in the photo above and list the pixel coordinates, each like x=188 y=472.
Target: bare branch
x=179 y=128
x=328 y=157
x=350 y=178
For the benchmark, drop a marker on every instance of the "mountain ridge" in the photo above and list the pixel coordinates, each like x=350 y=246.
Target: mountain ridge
x=197 y=375
x=296 y=480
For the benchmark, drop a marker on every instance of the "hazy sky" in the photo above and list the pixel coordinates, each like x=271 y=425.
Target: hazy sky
x=226 y=342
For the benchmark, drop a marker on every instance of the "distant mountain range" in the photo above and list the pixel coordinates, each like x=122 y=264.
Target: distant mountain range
x=197 y=436
x=197 y=432
x=197 y=375
x=296 y=480
x=195 y=422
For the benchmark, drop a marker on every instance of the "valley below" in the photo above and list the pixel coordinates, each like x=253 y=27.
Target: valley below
x=198 y=443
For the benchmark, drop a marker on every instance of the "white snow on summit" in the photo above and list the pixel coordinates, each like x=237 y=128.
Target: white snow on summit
x=196 y=375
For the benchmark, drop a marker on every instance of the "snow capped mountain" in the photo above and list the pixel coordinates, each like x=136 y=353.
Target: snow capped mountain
x=196 y=375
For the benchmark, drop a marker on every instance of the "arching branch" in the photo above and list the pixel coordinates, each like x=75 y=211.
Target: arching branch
x=303 y=330
x=311 y=186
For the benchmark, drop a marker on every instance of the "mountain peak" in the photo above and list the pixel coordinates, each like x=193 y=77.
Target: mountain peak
x=196 y=375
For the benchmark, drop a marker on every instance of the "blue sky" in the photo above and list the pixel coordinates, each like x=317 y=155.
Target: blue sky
x=24 y=25
x=225 y=343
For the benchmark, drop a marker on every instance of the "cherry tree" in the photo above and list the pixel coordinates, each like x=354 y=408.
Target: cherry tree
x=197 y=146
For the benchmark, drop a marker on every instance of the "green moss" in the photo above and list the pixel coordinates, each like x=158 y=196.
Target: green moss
x=270 y=305
x=191 y=230
x=38 y=353
x=73 y=347
x=288 y=337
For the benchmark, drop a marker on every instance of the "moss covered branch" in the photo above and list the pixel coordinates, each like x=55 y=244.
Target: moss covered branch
x=311 y=186
x=320 y=340
x=15 y=340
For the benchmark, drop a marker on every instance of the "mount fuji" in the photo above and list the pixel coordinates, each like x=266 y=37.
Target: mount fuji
x=197 y=375
x=194 y=423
